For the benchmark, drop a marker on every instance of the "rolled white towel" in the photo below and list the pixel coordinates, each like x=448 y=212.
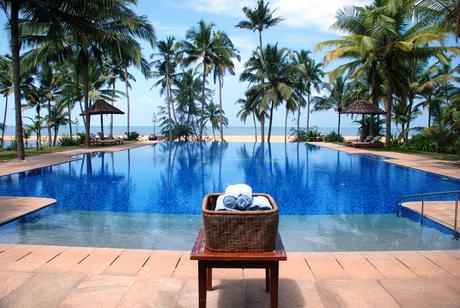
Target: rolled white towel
x=220 y=204
x=232 y=192
x=260 y=203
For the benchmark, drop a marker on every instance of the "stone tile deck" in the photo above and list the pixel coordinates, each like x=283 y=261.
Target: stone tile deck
x=55 y=276
x=442 y=212
x=15 y=207
x=45 y=160
x=407 y=160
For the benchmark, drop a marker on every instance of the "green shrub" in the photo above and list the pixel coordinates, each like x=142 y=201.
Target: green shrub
x=434 y=139
x=67 y=141
x=306 y=135
x=81 y=137
x=131 y=136
x=13 y=145
x=333 y=137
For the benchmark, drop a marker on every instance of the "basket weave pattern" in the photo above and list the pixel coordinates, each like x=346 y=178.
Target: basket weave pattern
x=251 y=231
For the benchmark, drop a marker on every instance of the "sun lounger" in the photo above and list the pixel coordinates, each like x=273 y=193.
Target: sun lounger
x=349 y=143
x=98 y=141
x=373 y=143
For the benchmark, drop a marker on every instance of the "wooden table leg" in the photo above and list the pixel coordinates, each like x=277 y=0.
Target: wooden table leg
x=201 y=285
x=274 y=269
x=209 y=279
x=267 y=280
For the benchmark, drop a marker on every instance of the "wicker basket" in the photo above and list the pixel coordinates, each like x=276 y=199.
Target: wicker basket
x=242 y=231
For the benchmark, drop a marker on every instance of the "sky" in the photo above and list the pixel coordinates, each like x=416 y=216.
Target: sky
x=306 y=23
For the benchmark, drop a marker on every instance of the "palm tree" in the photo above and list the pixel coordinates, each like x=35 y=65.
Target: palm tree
x=446 y=12
x=247 y=109
x=213 y=116
x=90 y=30
x=278 y=84
x=339 y=97
x=36 y=126
x=222 y=64
x=259 y=19
x=57 y=117
x=6 y=89
x=166 y=71
x=310 y=74
x=201 y=44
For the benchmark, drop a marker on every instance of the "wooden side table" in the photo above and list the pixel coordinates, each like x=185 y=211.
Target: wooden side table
x=207 y=260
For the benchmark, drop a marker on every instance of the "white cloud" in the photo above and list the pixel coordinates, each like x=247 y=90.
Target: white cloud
x=297 y=13
x=164 y=29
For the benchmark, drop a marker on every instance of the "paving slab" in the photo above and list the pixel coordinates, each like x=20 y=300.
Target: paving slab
x=388 y=265
x=325 y=266
x=147 y=292
x=444 y=260
x=15 y=253
x=9 y=281
x=66 y=260
x=35 y=259
x=422 y=293
x=356 y=266
x=129 y=263
x=99 y=291
x=353 y=293
x=97 y=261
x=161 y=264
x=420 y=265
x=42 y=290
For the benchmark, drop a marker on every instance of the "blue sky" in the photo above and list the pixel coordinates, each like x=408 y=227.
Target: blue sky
x=306 y=23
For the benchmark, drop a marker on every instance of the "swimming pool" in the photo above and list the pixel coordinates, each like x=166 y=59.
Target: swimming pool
x=149 y=197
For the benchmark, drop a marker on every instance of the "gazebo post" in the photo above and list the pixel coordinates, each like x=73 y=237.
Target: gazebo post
x=102 y=126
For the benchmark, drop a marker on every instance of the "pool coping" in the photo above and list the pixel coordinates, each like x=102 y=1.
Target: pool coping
x=413 y=161
x=12 y=208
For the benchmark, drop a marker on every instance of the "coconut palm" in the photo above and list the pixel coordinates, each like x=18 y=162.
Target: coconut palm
x=223 y=64
x=6 y=89
x=213 y=116
x=310 y=74
x=201 y=45
x=247 y=109
x=259 y=19
x=339 y=96
x=56 y=118
x=445 y=12
x=278 y=83
x=36 y=126
x=90 y=30
x=166 y=72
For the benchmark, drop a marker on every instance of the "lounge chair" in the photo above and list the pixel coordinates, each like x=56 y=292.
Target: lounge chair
x=373 y=143
x=349 y=143
x=96 y=140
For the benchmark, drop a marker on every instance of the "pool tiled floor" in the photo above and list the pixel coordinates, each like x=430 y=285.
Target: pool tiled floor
x=44 y=276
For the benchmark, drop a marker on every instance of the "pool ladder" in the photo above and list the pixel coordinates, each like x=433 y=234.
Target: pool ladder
x=424 y=196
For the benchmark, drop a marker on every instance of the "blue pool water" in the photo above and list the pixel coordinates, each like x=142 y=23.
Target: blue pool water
x=149 y=197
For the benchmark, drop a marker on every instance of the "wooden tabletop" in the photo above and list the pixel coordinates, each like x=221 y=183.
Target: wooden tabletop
x=201 y=253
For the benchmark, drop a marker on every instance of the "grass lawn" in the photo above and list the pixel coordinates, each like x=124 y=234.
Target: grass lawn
x=6 y=156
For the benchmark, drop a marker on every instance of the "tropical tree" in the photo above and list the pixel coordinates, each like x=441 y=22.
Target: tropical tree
x=223 y=63
x=213 y=116
x=36 y=126
x=6 y=89
x=248 y=108
x=259 y=19
x=166 y=72
x=309 y=77
x=56 y=118
x=187 y=92
x=278 y=83
x=201 y=45
x=339 y=96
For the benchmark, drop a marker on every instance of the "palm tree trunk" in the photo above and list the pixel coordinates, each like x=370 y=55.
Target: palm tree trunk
x=409 y=115
x=69 y=111
x=389 y=103
x=4 y=121
x=221 y=113
x=86 y=98
x=49 y=128
x=56 y=130
x=338 y=125
x=169 y=114
x=203 y=101
x=262 y=128
x=127 y=98
x=374 y=95
x=270 y=121
x=285 y=125
x=298 y=119
x=15 y=49
x=308 y=111
x=111 y=116
x=261 y=47
x=429 y=116
x=255 y=125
